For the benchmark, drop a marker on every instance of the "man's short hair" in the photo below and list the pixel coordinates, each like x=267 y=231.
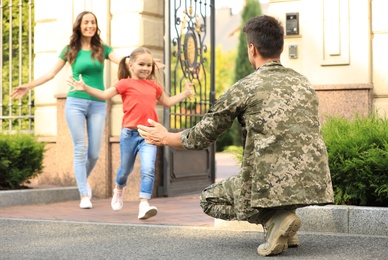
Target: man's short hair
x=267 y=34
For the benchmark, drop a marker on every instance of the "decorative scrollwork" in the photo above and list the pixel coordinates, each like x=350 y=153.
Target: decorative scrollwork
x=189 y=60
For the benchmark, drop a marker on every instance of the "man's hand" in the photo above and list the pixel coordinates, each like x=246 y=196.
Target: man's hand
x=155 y=134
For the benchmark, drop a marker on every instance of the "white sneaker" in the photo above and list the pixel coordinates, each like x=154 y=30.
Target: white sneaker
x=85 y=203
x=89 y=190
x=146 y=211
x=117 y=199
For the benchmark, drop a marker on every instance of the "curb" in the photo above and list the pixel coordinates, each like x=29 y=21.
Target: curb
x=37 y=196
x=354 y=220
x=324 y=219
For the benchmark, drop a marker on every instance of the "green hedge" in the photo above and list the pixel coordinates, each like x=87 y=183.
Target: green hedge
x=21 y=159
x=358 y=159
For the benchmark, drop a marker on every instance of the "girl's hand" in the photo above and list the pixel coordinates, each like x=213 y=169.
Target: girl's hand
x=159 y=64
x=190 y=90
x=77 y=85
x=19 y=92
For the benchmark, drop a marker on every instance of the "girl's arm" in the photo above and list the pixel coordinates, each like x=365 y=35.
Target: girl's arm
x=21 y=90
x=114 y=57
x=97 y=93
x=167 y=101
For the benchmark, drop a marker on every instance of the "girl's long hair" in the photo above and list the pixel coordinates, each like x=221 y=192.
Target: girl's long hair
x=75 y=41
x=124 y=72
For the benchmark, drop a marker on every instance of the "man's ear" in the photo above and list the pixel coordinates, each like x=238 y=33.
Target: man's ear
x=252 y=50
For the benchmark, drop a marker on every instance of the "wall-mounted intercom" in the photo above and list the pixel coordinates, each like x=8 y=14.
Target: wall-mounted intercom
x=292 y=23
x=293 y=51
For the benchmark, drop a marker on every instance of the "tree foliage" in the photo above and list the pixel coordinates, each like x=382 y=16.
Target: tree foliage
x=243 y=67
x=224 y=70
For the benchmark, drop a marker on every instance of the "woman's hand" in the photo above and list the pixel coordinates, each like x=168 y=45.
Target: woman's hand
x=19 y=92
x=77 y=84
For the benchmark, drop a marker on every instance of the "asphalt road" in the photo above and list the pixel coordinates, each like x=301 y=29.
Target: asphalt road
x=31 y=239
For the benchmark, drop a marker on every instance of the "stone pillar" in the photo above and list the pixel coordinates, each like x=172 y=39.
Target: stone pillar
x=51 y=34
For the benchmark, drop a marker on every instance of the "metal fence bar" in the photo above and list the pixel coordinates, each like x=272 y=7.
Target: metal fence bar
x=1 y=62
x=20 y=58
x=30 y=64
x=16 y=115
x=10 y=66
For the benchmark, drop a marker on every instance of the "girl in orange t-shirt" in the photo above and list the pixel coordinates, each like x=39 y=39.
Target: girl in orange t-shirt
x=139 y=92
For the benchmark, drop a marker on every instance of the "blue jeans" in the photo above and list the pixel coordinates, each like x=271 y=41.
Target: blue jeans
x=131 y=143
x=80 y=113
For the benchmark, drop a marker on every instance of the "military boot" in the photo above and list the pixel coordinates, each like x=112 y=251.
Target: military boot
x=279 y=228
x=293 y=241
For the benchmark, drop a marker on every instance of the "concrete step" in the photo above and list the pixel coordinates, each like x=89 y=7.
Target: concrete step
x=37 y=196
x=331 y=219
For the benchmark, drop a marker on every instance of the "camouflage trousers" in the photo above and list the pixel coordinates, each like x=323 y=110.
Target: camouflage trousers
x=226 y=200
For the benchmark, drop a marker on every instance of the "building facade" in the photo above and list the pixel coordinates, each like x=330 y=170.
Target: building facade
x=338 y=44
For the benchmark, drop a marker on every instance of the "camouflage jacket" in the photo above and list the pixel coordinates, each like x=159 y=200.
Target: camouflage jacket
x=285 y=160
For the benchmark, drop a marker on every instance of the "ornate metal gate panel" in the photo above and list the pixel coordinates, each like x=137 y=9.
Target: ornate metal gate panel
x=189 y=58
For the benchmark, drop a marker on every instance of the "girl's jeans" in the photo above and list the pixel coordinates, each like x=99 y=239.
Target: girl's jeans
x=80 y=113
x=132 y=143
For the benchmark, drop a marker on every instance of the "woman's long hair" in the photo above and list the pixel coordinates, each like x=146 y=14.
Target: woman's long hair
x=75 y=41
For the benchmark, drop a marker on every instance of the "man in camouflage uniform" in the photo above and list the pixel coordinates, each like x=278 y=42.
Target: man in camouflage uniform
x=285 y=162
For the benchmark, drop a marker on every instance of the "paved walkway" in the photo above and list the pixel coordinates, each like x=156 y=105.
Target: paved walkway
x=181 y=211
x=101 y=233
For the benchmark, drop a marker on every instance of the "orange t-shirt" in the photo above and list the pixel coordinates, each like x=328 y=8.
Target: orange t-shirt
x=139 y=101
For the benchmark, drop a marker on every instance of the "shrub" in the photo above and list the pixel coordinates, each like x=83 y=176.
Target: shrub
x=21 y=159
x=237 y=151
x=231 y=137
x=358 y=159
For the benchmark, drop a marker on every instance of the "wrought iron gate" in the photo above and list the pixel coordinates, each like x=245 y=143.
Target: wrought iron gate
x=190 y=54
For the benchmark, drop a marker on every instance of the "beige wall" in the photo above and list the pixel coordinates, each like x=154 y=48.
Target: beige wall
x=380 y=55
x=334 y=50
